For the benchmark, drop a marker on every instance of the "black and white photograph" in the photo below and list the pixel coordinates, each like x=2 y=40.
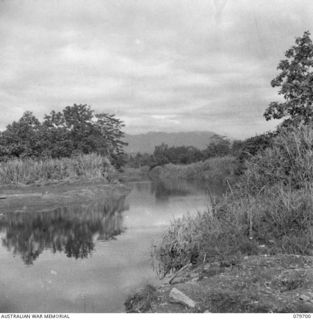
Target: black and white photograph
x=156 y=156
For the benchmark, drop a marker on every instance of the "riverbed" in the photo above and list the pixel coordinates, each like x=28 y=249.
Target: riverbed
x=89 y=257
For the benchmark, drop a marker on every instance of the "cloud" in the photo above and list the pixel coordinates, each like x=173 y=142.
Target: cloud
x=159 y=65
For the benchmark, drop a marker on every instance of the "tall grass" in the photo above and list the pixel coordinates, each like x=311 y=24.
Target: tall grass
x=289 y=162
x=29 y=171
x=271 y=205
x=216 y=169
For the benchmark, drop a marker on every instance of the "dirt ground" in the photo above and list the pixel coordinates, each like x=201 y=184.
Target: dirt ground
x=256 y=284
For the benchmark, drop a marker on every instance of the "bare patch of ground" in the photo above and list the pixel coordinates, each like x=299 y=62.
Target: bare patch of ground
x=280 y=284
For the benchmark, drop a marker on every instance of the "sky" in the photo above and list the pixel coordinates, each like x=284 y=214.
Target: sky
x=158 y=65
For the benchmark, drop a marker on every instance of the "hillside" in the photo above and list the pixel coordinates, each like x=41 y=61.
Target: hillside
x=147 y=141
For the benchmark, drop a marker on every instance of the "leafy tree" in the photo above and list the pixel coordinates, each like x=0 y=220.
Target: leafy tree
x=77 y=129
x=160 y=155
x=109 y=136
x=71 y=129
x=295 y=81
x=21 y=138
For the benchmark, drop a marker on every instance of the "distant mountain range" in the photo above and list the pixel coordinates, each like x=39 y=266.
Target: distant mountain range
x=146 y=142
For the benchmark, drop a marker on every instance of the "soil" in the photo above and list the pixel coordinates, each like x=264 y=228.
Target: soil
x=255 y=284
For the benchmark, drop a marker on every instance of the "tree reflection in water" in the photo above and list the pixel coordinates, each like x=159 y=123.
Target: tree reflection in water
x=165 y=189
x=72 y=230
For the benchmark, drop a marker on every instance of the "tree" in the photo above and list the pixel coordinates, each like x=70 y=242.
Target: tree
x=71 y=129
x=109 y=136
x=77 y=129
x=160 y=155
x=21 y=138
x=295 y=81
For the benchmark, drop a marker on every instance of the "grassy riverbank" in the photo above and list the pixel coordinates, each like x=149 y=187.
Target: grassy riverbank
x=217 y=169
x=268 y=211
x=30 y=171
x=272 y=204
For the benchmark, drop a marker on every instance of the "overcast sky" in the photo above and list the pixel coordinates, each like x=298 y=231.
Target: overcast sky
x=159 y=65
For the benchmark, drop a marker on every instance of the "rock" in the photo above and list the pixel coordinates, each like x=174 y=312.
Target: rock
x=180 y=297
x=306 y=298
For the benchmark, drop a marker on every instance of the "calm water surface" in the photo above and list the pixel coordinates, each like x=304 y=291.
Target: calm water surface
x=88 y=258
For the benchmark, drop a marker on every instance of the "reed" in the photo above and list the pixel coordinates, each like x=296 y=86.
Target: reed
x=27 y=171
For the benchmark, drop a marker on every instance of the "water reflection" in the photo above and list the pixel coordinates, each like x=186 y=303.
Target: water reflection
x=165 y=189
x=113 y=270
x=72 y=230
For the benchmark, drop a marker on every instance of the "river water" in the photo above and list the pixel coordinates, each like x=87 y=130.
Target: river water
x=89 y=258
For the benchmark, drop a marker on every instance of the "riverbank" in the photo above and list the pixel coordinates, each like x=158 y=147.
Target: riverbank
x=45 y=197
x=280 y=284
x=45 y=171
x=31 y=184
x=265 y=218
x=128 y=174
x=217 y=169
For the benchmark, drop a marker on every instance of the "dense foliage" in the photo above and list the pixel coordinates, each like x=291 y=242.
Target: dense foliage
x=295 y=81
x=75 y=130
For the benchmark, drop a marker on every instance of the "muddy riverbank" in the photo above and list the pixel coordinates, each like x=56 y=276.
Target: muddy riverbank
x=39 y=197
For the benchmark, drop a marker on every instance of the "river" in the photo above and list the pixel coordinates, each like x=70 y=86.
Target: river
x=89 y=258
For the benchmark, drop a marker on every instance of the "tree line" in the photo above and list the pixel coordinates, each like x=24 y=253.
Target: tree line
x=78 y=129
x=75 y=130
x=218 y=147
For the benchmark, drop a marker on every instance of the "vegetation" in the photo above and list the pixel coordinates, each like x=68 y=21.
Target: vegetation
x=75 y=130
x=217 y=169
x=26 y=171
x=163 y=154
x=191 y=160
x=295 y=82
x=270 y=207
